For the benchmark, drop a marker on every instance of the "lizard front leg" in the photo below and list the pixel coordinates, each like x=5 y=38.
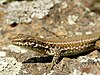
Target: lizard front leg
x=57 y=54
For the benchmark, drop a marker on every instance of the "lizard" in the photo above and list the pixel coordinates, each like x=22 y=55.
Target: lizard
x=59 y=47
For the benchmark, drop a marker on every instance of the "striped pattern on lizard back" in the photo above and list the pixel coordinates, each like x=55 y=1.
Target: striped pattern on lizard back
x=68 y=46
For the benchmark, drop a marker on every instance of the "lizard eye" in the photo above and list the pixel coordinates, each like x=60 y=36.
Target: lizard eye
x=23 y=40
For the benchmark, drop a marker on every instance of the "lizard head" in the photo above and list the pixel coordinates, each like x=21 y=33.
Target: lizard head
x=23 y=40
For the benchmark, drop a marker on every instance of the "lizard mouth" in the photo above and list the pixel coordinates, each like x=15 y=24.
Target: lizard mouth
x=18 y=39
x=16 y=42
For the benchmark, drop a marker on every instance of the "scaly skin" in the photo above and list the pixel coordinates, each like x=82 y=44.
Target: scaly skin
x=59 y=47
